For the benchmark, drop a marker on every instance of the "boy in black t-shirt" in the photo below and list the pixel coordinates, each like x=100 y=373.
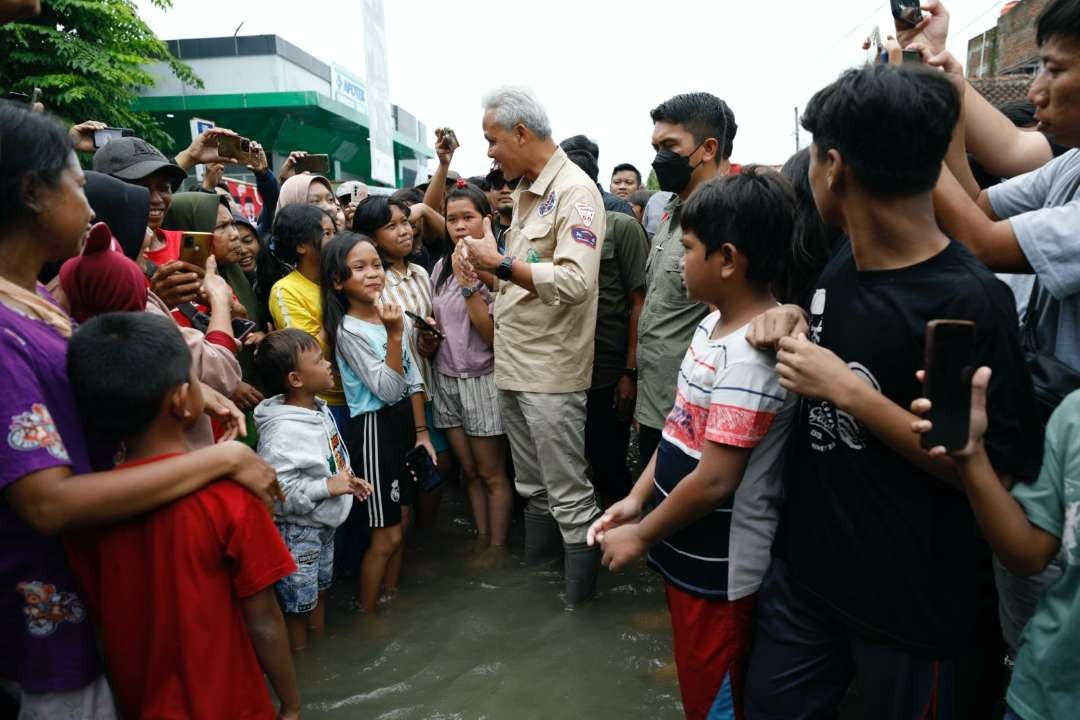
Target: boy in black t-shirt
x=875 y=558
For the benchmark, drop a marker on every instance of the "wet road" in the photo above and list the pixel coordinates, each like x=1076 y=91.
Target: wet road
x=474 y=636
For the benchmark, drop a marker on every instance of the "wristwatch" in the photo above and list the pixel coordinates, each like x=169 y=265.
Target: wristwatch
x=630 y=373
x=505 y=269
x=467 y=292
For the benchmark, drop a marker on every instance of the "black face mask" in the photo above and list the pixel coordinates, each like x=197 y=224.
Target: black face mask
x=673 y=170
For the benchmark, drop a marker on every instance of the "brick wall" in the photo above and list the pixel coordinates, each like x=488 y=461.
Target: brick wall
x=1003 y=89
x=1016 y=31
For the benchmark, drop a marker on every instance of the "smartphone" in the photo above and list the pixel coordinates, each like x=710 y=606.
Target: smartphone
x=418 y=462
x=318 y=164
x=241 y=327
x=907 y=12
x=195 y=247
x=239 y=148
x=424 y=324
x=102 y=137
x=451 y=139
x=35 y=98
x=949 y=363
x=912 y=56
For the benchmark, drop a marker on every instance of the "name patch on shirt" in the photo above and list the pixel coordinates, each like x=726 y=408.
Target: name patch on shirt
x=583 y=236
x=548 y=205
x=586 y=212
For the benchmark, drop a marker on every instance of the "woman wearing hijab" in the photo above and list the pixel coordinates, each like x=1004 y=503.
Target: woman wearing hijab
x=313 y=190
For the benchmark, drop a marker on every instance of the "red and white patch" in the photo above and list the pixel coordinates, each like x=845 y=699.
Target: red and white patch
x=586 y=212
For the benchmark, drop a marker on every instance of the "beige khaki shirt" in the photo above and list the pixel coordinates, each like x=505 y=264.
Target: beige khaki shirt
x=544 y=340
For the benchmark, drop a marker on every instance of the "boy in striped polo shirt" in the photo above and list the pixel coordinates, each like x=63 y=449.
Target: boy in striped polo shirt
x=716 y=476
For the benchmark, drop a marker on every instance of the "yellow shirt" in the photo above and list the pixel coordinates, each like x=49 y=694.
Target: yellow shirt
x=296 y=302
x=544 y=340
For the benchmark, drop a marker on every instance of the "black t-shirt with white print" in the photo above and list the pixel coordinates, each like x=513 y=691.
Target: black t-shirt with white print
x=888 y=546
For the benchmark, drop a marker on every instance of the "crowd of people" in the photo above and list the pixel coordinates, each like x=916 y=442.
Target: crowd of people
x=199 y=445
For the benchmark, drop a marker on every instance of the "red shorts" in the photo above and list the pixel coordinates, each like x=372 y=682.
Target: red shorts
x=712 y=645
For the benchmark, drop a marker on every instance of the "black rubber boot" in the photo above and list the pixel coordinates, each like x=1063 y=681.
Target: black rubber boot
x=543 y=541
x=581 y=566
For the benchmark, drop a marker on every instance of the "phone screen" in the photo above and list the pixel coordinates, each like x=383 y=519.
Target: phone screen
x=950 y=363
x=195 y=247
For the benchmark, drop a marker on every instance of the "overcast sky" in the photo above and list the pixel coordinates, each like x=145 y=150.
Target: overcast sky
x=598 y=67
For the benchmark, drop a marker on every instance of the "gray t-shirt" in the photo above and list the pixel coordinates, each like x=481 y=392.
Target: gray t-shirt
x=1047 y=226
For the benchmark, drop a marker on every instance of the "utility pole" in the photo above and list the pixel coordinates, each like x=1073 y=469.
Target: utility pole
x=797 y=148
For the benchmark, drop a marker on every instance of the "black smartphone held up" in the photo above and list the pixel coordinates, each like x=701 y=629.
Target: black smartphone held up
x=912 y=57
x=950 y=364
x=907 y=12
x=241 y=327
x=424 y=324
x=318 y=164
x=102 y=137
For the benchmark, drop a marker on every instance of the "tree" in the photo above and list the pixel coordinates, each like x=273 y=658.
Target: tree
x=652 y=183
x=87 y=56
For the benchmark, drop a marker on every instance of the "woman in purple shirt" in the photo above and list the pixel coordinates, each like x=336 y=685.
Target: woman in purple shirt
x=46 y=485
x=466 y=402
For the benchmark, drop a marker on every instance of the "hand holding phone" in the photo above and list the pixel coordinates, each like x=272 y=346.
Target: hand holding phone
x=424 y=325
x=236 y=148
x=104 y=135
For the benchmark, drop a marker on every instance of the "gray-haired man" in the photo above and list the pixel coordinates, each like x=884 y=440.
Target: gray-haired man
x=545 y=322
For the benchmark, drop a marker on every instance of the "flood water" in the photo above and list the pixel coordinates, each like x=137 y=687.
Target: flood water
x=470 y=637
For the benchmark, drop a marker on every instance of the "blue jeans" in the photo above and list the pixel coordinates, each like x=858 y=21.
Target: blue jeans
x=312 y=549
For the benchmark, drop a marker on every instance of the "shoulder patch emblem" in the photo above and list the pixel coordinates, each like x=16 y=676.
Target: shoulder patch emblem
x=532 y=256
x=586 y=212
x=548 y=205
x=583 y=236
x=35 y=430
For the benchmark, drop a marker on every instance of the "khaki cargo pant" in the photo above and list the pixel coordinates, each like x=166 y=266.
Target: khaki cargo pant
x=547 y=439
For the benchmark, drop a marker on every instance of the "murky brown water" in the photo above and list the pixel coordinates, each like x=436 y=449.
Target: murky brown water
x=467 y=641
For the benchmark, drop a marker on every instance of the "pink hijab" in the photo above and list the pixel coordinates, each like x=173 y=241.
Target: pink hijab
x=295 y=190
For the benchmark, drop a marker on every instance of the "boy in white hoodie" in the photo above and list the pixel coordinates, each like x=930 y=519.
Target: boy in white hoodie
x=299 y=438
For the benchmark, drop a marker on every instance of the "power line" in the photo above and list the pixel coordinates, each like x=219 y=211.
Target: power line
x=823 y=55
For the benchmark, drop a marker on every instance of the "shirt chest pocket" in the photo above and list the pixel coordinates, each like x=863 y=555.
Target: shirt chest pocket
x=538 y=241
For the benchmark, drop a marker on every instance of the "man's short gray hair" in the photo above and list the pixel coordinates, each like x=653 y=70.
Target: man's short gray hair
x=513 y=105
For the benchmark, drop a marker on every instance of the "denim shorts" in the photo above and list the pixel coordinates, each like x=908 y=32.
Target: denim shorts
x=313 y=550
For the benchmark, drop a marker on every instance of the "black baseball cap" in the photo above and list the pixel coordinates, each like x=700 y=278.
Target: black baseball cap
x=133 y=158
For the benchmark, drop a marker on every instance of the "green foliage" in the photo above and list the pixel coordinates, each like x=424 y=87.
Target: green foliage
x=87 y=56
x=652 y=183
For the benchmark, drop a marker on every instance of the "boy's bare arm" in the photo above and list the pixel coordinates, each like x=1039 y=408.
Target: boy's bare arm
x=266 y=627
x=1022 y=547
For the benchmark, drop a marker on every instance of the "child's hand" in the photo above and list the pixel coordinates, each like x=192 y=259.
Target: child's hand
x=976 y=427
x=361 y=489
x=622 y=546
x=340 y=484
x=625 y=511
x=813 y=371
x=391 y=316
